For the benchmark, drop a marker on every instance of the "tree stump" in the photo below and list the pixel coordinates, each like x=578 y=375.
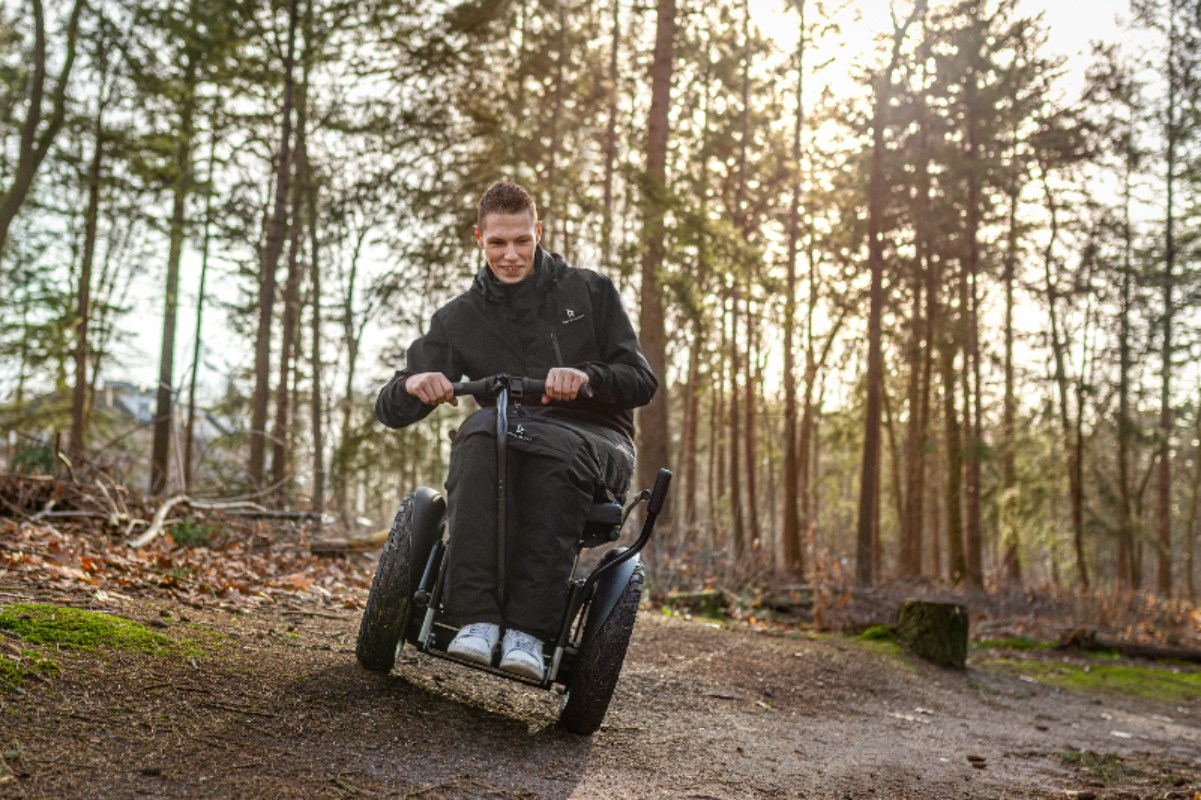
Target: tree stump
x=935 y=631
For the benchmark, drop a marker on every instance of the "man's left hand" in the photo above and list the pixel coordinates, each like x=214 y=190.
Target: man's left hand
x=563 y=383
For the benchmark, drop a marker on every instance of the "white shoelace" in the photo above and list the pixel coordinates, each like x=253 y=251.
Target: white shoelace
x=480 y=629
x=526 y=644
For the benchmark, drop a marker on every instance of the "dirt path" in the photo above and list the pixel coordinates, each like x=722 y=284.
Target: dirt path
x=277 y=707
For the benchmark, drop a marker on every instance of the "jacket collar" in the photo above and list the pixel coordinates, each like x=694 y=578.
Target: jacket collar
x=549 y=269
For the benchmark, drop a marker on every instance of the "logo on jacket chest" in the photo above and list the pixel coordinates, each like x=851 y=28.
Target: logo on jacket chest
x=570 y=316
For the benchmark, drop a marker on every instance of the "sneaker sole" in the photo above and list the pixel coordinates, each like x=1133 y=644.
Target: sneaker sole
x=474 y=656
x=523 y=669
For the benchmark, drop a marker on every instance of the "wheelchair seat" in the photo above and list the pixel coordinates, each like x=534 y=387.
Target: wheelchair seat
x=603 y=525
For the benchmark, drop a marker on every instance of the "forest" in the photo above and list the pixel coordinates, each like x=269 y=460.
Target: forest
x=920 y=289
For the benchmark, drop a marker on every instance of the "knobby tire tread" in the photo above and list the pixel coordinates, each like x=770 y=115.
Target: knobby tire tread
x=599 y=664
x=382 y=626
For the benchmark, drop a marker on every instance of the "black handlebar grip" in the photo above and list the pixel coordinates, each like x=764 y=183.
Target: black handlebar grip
x=659 y=493
x=533 y=386
x=482 y=386
x=529 y=386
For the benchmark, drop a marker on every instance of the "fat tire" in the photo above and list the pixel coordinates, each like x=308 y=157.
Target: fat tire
x=391 y=592
x=598 y=666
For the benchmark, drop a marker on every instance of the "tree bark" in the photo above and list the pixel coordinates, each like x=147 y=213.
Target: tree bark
x=1163 y=495
x=164 y=415
x=692 y=394
x=611 y=143
x=654 y=430
x=794 y=560
x=316 y=403
x=973 y=539
x=280 y=467
x=1127 y=577
x=34 y=146
x=1061 y=382
x=957 y=565
x=750 y=438
x=189 y=424
x=79 y=404
x=271 y=255
x=736 y=514
x=1008 y=524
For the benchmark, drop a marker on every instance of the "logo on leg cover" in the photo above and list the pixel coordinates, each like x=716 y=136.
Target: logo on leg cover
x=519 y=433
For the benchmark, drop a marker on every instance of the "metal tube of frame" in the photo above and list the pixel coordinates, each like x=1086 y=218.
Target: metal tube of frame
x=502 y=435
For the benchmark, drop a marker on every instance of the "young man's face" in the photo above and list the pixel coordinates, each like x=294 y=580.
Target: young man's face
x=509 y=241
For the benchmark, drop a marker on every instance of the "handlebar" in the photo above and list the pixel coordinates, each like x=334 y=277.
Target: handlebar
x=492 y=385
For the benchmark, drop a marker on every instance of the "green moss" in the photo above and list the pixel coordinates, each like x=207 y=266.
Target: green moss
x=879 y=633
x=15 y=671
x=1023 y=643
x=68 y=628
x=1107 y=767
x=1149 y=683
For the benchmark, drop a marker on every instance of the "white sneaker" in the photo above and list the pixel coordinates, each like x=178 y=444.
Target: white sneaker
x=475 y=642
x=521 y=654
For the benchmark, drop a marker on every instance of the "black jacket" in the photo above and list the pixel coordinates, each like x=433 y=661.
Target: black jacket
x=560 y=316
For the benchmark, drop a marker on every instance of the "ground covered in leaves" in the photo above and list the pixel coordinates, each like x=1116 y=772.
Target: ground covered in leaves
x=223 y=666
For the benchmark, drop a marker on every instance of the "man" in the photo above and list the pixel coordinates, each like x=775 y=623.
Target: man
x=531 y=315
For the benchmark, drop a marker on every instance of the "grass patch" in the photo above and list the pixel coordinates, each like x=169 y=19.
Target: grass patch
x=1021 y=643
x=1148 y=683
x=1106 y=767
x=66 y=628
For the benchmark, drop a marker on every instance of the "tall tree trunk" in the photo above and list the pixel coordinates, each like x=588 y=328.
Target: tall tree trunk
x=1190 y=551
x=973 y=425
x=1008 y=522
x=280 y=468
x=1061 y=382
x=79 y=404
x=921 y=332
x=275 y=245
x=189 y=424
x=611 y=143
x=870 y=464
x=316 y=404
x=557 y=233
x=740 y=543
x=33 y=146
x=794 y=559
x=953 y=463
x=1163 y=494
x=877 y=191
x=654 y=432
x=1127 y=577
x=692 y=394
x=164 y=415
x=750 y=438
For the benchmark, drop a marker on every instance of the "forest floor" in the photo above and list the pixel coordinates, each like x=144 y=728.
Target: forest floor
x=239 y=680
x=269 y=702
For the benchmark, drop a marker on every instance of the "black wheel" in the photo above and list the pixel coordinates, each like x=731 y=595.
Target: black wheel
x=598 y=664
x=391 y=593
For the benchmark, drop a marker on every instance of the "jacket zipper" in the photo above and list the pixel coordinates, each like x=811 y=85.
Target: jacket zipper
x=558 y=353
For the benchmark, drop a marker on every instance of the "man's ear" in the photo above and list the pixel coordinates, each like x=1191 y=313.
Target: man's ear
x=537 y=231
x=478 y=239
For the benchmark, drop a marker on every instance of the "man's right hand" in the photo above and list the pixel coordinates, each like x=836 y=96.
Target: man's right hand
x=431 y=388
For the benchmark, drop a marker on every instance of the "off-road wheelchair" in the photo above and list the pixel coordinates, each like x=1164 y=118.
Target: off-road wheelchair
x=585 y=659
